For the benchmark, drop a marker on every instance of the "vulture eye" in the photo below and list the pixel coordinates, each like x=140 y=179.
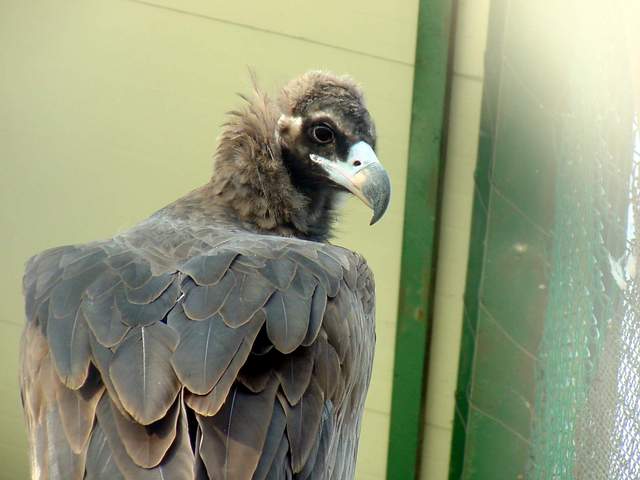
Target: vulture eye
x=322 y=134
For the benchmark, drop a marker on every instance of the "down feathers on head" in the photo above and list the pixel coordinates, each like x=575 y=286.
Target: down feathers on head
x=263 y=177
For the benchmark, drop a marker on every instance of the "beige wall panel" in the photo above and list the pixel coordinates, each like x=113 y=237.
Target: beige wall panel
x=372 y=455
x=436 y=457
x=471 y=37
x=110 y=110
x=380 y=391
x=380 y=28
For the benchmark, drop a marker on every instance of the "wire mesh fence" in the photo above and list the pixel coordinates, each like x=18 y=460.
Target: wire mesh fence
x=587 y=420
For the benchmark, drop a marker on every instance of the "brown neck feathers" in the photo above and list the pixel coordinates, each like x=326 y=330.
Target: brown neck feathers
x=251 y=185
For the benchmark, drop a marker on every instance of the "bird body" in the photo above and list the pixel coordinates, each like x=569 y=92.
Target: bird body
x=223 y=337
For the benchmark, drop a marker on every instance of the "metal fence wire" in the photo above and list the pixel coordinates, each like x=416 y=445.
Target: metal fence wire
x=586 y=423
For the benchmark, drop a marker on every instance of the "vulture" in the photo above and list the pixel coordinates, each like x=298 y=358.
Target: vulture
x=223 y=337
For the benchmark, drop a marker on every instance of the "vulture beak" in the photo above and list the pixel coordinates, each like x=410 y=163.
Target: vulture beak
x=363 y=175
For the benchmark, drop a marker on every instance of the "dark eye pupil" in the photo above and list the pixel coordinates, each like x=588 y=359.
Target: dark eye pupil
x=322 y=134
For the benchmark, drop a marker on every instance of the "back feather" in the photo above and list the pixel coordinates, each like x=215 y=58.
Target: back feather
x=184 y=352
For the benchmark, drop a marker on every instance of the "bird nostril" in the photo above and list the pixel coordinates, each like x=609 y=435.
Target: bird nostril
x=357 y=163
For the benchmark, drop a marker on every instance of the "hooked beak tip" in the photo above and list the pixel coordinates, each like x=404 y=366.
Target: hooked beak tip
x=363 y=175
x=377 y=191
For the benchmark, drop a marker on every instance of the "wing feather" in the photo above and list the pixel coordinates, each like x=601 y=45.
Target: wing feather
x=281 y=465
x=135 y=314
x=279 y=272
x=177 y=464
x=136 y=273
x=77 y=410
x=101 y=464
x=69 y=344
x=101 y=357
x=147 y=444
x=141 y=372
x=303 y=422
x=151 y=290
x=62 y=462
x=104 y=320
x=287 y=320
x=234 y=438
x=75 y=264
x=256 y=372
x=210 y=404
x=66 y=295
x=207 y=348
x=275 y=435
x=249 y=295
x=203 y=301
x=294 y=373
x=326 y=367
x=209 y=269
x=318 y=307
x=329 y=282
x=252 y=334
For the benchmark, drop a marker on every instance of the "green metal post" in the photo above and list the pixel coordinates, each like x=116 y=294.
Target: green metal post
x=426 y=155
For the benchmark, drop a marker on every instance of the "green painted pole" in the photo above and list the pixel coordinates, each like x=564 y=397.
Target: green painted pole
x=426 y=162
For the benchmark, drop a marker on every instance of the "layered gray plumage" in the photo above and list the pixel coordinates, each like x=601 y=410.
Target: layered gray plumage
x=193 y=346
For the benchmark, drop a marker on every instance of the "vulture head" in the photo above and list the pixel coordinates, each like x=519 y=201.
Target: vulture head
x=282 y=165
